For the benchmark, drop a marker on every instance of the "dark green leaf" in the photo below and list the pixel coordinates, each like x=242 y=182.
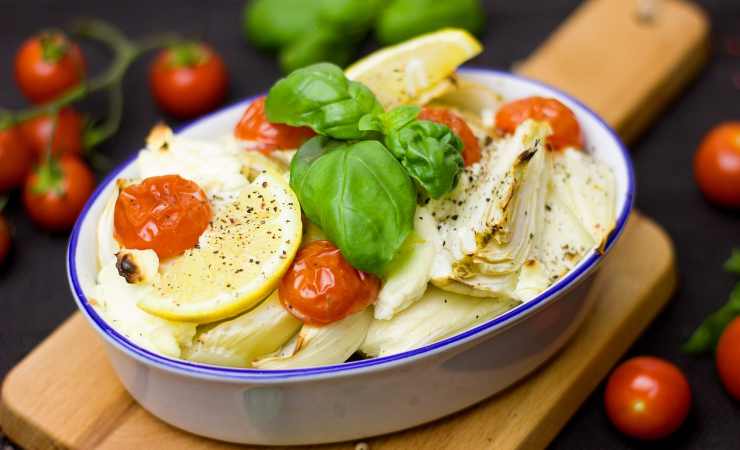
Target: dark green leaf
x=359 y=195
x=430 y=152
x=733 y=264
x=321 y=97
x=324 y=44
x=353 y=17
x=705 y=337
x=404 y=19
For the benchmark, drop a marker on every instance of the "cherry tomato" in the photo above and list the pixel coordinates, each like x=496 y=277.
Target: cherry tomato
x=728 y=358
x=16 y=159
x=565 y=129
x=647 y=398
x=67 y=135
x=254 y=126
x=166 y=214
x=56 y=192
x=5 y=241
x=717 y=165
x=47 y=65
x=188 y=80
x=471 y=147
x=322 y=287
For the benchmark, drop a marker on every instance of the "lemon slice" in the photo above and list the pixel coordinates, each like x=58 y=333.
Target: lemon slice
x=405 y=72
x=239 y=260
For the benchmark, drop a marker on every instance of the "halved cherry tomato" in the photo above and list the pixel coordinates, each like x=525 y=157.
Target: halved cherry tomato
x=5 y=240
x=166 y=214
x=728 y=358
x=47 y=65
x=565 y=128
x=188 y=80
x=717 y=165
x=647 y=398
x=16 y=159
x=56 y=192
x=254 y=126
x=67 y=135
x=321 y=287
x=471 y=147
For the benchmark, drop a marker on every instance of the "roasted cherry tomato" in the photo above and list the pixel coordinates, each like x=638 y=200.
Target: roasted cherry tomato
x=56 y=192
x=728 y=358
x=254 y=126
x=188 y=80
x=717 y=165
x=16 y=159
x=471 y=147
x=67 y=135
x=166 y=214
x=321 y=287
x=47 y=65
x=647 y=398
x=5 y=240
x=565 y=129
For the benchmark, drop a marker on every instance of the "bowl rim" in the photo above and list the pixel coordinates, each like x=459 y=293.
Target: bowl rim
x=219 y=373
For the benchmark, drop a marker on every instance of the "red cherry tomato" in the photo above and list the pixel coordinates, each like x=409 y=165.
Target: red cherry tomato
x=16 y=159
x=647 y=398
x=188 y=80
x=5 y=240
x=56 y=192
x=728 y=358
x=254 y=126
x=717 y=165
x=47 y=65
x=166 y=214
x=67 y=135
x=565 y=128
x=471 y=147
x=321 y=287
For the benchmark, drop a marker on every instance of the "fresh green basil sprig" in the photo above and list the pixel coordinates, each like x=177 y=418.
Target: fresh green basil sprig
x=430 y=152
x=321 y=97
x=359 y=196
x=705 y=337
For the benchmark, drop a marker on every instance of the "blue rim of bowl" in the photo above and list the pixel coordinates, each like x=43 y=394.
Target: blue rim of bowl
x=229 y=374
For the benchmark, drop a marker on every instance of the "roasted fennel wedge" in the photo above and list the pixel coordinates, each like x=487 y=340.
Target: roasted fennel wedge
x=238 y=342
x=410 y=272
x=437 y=315
x=321 y=346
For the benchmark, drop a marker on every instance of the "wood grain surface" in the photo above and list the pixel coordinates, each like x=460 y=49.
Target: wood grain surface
x=65 y=394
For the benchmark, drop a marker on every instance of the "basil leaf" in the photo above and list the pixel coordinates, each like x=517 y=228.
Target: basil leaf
x=322 y=44
x=321 y=97
x=430 y=152
x=705 y=337
x=272 y=24
x=359 y=196
x=404 y=19
x=733 y=264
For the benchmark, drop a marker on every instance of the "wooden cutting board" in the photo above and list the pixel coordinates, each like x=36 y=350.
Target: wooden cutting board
x=65 y=394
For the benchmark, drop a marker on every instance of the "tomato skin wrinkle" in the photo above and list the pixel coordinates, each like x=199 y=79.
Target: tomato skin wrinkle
x=254 y=126
x=565 y=128
x=471 y=147
x=42 y=80
x=647 y=398
x=321 y=287
x=166 y=214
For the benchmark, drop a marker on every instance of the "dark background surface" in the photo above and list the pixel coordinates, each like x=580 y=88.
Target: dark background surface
x=34 y=296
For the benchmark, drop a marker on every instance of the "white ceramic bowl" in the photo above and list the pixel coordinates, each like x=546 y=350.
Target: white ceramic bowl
x=361 y=398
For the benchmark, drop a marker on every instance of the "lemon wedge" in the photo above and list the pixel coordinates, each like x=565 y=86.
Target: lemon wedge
x=239 y=260
x=408 y=71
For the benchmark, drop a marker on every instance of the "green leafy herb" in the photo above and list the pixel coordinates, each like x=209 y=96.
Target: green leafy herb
x=705 y=337
x=733 y=264
x=322 y=44
x=321 y=97
x=404 y=19
x=272 y=24
x=359 y=195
